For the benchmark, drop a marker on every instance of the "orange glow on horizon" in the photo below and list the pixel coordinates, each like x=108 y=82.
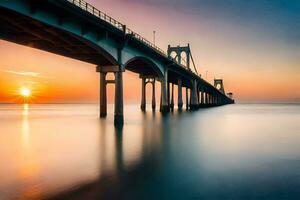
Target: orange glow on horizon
x=56 y=79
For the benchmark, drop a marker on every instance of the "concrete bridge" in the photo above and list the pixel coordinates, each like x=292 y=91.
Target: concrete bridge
x=76 y=29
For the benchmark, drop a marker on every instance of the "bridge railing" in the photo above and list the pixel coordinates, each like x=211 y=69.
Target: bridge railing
x=94 y=11
x=103 y=16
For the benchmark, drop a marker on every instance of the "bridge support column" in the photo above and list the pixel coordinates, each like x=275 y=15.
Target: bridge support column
x=145 y=81
x=143 y=100
x=168 y=93
x=202 y=97
x=164 y=93
x=206 y=97
x=172 y=97
x=215 y=99
x=187 y=98
x=179 y=93
x=118 y=72
x=197 y=93
x=153 y=96
x=160 y=103
x=190 y=99
x=119 y=117
x=103 y=98
x=194 y=98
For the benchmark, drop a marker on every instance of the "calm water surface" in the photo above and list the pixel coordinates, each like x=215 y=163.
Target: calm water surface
x=230 y=152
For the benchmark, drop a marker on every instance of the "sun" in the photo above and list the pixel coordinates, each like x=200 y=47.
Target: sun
x=25 y=92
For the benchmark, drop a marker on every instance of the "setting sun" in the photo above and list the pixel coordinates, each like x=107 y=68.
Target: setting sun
x=25 y=92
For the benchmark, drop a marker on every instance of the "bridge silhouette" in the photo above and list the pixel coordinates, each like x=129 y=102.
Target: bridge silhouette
x=76 y=29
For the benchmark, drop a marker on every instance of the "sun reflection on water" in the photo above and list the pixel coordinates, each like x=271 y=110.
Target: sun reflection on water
x=25 y=127
x=28 y=169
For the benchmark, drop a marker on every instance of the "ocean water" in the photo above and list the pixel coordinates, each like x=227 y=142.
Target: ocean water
x=63 y=151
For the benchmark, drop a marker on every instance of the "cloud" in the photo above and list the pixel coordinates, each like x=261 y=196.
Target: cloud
x=22 y=73
x=27 y=73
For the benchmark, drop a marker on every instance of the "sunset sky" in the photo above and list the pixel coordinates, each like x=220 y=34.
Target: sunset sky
x=254 y=45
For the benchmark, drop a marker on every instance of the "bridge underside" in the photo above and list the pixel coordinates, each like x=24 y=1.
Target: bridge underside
x=142 y=67
x=32 y=33
x=173 y=77
x=25 y=31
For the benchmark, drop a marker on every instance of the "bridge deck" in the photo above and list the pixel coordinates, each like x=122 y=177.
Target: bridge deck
x=24 y=28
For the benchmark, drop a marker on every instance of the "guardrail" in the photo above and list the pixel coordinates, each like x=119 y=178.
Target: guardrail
x=94 y=11
x=103 y=16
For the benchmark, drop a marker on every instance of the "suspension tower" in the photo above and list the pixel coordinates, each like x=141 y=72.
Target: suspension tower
x=218 y=83
x=178 y=56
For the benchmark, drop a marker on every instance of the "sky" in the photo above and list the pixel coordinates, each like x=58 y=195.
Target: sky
x=254 y=45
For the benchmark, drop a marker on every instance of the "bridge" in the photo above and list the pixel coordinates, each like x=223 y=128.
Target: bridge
x=76 y=29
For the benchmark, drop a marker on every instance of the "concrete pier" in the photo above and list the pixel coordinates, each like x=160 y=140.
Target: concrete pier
x=187 y=98
x=164 y=93
x=145 y=80
x=117 y=70
x=172 y=97
x=179 y=93
x=143 y=99
x=153 y=95
x=103 y=98
x=194 y=98
x=201 y=96
x=119 y=116
x=206 y=97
